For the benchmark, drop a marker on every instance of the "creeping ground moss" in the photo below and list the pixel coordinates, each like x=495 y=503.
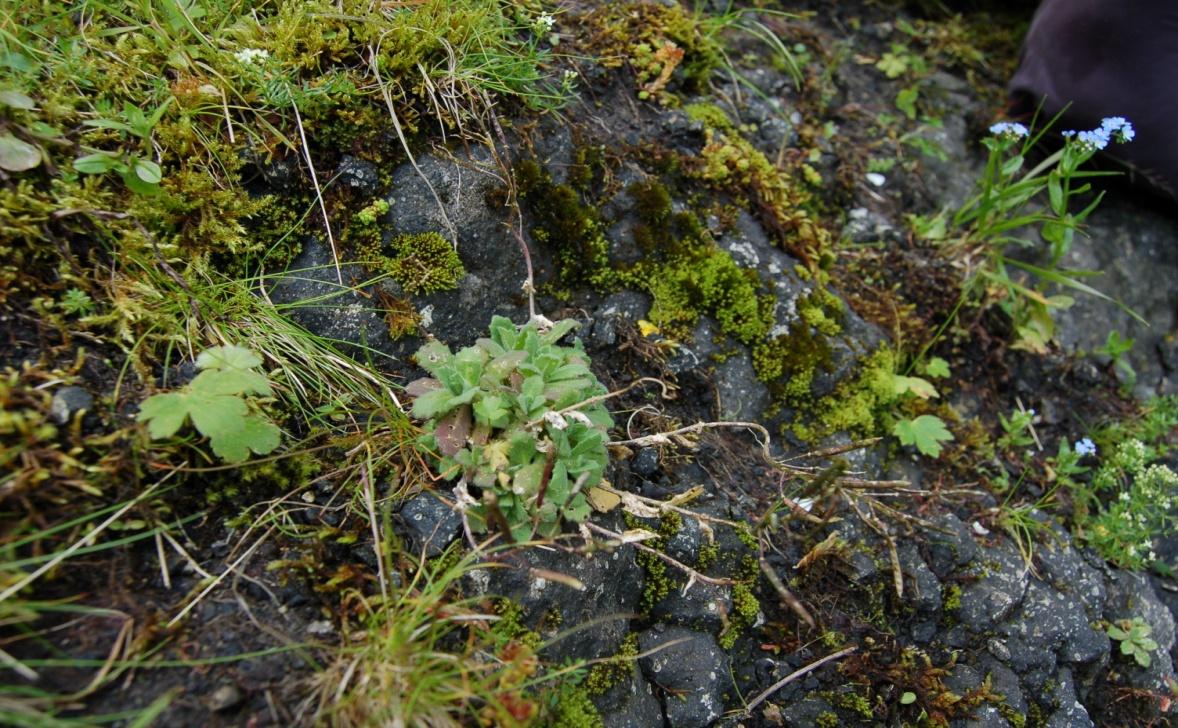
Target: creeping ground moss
x=682 y=269
x=421 y=262
x=856 y=406
x=615 y=670
x=574 y=709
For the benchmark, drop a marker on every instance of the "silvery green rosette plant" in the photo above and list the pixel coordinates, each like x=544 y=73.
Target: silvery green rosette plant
x=516 y=416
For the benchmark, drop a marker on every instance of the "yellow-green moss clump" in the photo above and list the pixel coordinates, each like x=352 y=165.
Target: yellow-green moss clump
x=657 y=581
x=615 y=670
x=708 y=114
x=670 y=49
x=425 y=263
x=855 y=406
x=573 y=230
x=731 y=163
x=682 y=269
x=574 y=709
x=421 y=262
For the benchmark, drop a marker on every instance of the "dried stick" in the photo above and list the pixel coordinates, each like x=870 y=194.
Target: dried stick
x=388 y=101
x=663 y=438
x=318 y=192
x=794 y=676
x=693 y=575
x=786 y=595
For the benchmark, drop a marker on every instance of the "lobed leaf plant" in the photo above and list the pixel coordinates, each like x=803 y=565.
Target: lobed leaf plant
x=218 y=403
x=517 y=420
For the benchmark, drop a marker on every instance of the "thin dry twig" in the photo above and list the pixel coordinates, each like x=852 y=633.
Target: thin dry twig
x=663 y=438
x=786 y=595
x=232 y=568
x=339 y=275
x=388 y=100
x=88 y=538
x=835 y=450
x=748 y=710
x=692 y=574
x=604 y=397
x=664 y=505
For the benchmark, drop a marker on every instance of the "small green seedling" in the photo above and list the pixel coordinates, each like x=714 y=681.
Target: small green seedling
x=76 y=302
x=926 y=432
x=1134 y=636
x=218 y=403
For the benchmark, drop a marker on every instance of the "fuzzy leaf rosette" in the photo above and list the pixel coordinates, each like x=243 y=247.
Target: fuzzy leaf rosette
x=503 y=417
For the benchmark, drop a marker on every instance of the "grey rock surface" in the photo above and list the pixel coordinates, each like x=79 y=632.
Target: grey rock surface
x=429 y=524
x=612 y=584
x=1002 y=581
x=691 y=671
x=1135 y=248
x=358 y=175
x=68 y=402
x=630 y=704
x=309 y=292
x=495 y=270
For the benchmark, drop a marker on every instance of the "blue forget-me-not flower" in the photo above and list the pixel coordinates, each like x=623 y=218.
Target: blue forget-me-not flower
x=1011 y=129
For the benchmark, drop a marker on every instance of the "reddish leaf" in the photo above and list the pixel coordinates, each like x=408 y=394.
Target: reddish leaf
x=452 y=430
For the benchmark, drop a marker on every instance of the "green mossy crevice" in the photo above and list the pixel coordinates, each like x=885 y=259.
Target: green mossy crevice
x=421 y=263
x=682 y=269
x=688 y=276
x=616 y=670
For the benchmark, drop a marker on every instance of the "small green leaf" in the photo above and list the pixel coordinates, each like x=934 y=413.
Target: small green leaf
x=228 y=357
x=1055 y=194
x=109 y=124
x=41 y=130
x=432 y=404
x=16 y=100
x=908 y=698
x=1012 y=165
x=558 y=331
x=490 y=410
x=504 y=332
x=925 y=432
x=936 y=367
x=217 y=416
x=1142 y=658
x=231 y=381
x=432 y=356
x=97 y=163
x=906 y=101
x=532 y=387
x=257 y=434
x=922 y=388
x=148 y=171
x=136 y=185
x=892 y=65
x=577 y=509
x=164 y=414
x=17 y=155
x=527 y=479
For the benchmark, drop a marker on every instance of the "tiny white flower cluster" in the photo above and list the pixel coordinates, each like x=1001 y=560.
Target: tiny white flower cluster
x=545 y=23
x=251 y=56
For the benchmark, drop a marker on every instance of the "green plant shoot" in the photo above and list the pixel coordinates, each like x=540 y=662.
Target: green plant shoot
x=218 y=404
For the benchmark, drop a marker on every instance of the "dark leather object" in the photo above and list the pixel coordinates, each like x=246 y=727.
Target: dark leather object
x=1108 y=58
